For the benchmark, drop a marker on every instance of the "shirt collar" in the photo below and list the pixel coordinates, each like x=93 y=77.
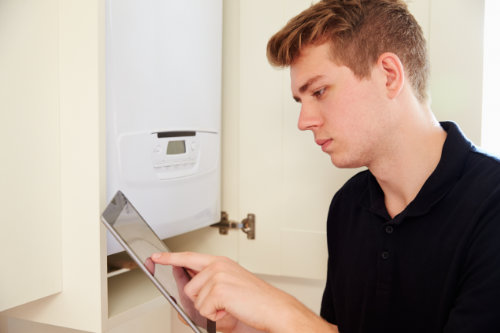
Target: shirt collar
x=449 y=169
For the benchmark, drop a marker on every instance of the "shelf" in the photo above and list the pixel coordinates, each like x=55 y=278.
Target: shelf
x=128 y=290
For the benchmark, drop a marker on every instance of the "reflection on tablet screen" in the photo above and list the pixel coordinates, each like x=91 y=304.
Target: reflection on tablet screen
x=150 y=265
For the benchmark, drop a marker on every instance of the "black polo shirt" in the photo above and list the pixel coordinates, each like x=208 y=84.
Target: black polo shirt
x=435 y=267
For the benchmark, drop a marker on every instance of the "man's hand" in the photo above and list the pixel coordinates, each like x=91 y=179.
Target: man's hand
x=237 y=300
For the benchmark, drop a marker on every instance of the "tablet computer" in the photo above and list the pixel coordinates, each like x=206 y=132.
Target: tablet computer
x=140 y=241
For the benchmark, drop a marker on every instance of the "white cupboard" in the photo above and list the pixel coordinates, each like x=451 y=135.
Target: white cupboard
x=30 y=185
x=66 y=137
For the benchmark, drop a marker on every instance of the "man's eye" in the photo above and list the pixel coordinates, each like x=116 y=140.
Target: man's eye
x=319 y=93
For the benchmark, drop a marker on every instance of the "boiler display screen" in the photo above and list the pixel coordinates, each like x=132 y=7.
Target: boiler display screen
x=176 y=147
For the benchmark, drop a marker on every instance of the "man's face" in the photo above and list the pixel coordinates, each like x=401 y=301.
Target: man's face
x=345 y=114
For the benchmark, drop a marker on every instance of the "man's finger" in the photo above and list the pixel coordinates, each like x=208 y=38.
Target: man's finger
x=190 y=260
x=181 y=319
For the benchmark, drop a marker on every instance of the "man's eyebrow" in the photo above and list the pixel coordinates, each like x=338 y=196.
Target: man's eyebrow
x=306 y=85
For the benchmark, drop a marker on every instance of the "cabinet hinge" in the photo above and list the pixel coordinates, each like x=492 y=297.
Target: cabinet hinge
x=247 y=225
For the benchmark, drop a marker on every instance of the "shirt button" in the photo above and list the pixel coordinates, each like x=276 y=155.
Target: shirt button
x=389 y=229
x=385 y=255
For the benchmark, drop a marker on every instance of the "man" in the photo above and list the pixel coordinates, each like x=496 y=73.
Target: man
x=414 y=241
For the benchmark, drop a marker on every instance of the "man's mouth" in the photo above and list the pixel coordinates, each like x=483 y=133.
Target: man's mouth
x=324 y=143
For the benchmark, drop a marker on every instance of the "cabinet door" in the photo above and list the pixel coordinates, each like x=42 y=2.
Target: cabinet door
x=53 y=144
x=30 y=187
x=456 y=53
x=284 y=178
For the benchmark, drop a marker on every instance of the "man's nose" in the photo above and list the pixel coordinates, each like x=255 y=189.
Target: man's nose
x=309 y=117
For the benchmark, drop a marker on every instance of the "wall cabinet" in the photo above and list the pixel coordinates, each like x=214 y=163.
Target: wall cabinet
x=60 y=221
x=30 y=185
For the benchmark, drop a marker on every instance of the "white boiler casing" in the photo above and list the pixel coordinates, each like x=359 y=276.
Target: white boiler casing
x=163 y=110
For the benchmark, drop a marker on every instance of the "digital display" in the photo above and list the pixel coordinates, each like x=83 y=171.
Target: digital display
x=176 y=147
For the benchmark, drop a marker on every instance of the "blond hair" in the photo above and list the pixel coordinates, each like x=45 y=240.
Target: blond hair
x=359 y=32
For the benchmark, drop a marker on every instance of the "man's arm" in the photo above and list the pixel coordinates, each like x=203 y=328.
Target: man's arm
x=477 y=305
x=223 y=291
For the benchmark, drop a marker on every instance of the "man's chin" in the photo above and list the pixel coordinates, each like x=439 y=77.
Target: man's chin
x=343 y=163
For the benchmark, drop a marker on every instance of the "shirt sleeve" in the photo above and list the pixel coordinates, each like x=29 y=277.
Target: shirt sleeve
x=327 y=308
x=477 y=305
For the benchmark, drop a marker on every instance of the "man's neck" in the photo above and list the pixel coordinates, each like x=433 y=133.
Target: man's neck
x=413 y=158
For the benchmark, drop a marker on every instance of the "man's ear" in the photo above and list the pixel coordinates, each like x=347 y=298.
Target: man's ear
x=393 y=71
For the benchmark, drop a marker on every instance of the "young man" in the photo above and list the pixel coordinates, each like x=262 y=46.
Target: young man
x=414 y=240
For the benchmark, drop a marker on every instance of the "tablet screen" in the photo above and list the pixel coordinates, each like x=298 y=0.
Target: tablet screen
x=139 y=240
